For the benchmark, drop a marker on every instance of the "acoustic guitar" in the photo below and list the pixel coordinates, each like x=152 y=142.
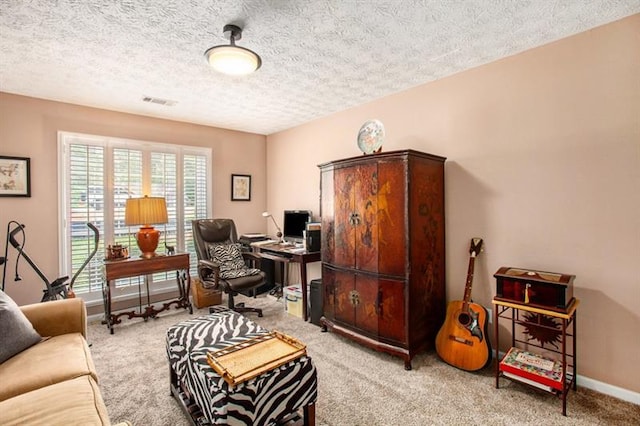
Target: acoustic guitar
x=463 y=340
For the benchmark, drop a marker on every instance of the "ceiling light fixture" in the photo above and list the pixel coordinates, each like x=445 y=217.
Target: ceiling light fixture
x=231 y=59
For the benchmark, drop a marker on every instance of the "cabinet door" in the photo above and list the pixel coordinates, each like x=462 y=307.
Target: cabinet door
x=355 y=217
x=366 y=217
x=392 y=222
x=365 y=304
x=343 y=223
x=356 y=301
x=391 y=308
x=343 y=283
x=355 y=298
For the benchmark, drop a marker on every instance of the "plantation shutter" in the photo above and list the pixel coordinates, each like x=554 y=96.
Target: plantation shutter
x=99 y=174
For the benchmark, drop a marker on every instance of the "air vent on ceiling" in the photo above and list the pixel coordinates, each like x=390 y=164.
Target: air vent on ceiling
x=159 y=101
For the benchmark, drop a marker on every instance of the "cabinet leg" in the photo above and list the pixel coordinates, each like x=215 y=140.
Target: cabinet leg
x=407 y=365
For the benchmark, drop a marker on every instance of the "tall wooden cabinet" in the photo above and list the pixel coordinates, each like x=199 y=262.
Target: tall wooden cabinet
x=383 y=250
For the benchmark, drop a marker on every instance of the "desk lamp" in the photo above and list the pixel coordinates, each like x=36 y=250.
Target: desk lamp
x=146 y=211
x=279 y=233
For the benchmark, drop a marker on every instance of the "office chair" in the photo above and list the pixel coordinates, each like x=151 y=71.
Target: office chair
x=222 y=263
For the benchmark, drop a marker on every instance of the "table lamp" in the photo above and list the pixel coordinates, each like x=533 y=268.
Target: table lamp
x=146 y=211
x=279 y=233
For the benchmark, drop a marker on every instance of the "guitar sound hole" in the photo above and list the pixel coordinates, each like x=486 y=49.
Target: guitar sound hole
x=464 y=319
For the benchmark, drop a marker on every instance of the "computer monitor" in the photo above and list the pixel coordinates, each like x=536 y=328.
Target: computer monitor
x=294 y=224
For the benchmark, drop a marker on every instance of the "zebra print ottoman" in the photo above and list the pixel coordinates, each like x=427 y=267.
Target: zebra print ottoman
x=209 y=400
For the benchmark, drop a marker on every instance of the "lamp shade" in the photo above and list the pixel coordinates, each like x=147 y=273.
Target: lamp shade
x=145 y=211
x=233 y=60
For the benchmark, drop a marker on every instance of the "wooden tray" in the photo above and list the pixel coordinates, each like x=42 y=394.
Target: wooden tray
x=246 y=360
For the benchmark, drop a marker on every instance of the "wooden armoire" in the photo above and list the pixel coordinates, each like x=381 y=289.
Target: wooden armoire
x=383 y=250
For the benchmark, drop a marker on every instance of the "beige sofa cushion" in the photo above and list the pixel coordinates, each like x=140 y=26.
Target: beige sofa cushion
x=52 y=361
x=72 y=402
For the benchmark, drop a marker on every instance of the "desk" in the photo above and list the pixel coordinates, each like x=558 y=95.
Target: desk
x=292 y=254
x=135 y=267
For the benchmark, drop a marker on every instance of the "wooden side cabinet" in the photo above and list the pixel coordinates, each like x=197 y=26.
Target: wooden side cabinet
x=383 y=250
x=544 y=330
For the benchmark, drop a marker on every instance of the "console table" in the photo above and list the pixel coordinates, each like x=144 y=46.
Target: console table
x=135 y=267
x=282 y=253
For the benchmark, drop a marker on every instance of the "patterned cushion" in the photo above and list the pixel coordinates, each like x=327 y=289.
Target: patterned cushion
x=229 y=257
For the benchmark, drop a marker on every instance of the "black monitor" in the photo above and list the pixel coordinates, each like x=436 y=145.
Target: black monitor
x=294 y=224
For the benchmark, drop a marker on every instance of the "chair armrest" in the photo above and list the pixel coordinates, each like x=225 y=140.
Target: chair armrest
x=209 y=264
x=58 y=317
x=209 y=271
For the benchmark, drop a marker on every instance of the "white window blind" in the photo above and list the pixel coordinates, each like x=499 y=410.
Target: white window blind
x=98 y=174
x=195 y=203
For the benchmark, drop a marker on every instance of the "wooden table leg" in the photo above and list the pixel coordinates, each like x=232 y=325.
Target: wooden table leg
x=106 y=304
x=309 y=414
x=496 y=335
x=303 y=278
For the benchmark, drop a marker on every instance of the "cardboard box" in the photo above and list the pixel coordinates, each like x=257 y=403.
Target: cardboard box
x=292 y=296
x=203 y=296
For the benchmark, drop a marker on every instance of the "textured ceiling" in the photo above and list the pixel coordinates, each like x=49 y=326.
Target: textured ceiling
x=319 y=56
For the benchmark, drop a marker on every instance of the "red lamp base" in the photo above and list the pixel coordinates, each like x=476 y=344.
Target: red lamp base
x=148 y=238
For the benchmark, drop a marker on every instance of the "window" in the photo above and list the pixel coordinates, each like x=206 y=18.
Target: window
x=98 y=174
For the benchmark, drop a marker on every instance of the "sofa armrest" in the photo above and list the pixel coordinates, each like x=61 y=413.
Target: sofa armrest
x=58 y=317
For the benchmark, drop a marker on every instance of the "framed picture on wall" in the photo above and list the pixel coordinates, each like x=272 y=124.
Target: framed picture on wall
x=15 y=178
x=240 y=187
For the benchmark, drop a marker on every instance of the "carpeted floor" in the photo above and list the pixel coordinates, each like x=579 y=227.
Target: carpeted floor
x=356 y=386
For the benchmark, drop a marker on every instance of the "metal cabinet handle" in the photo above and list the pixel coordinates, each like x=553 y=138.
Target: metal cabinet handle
x=354 y=219
x=354 y=297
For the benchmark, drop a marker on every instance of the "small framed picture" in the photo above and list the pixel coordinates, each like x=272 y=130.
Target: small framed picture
x=240 y=187
x=15 y=178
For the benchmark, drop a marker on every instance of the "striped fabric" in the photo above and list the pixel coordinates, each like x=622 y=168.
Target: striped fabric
x=259 y=401
x=229 y=257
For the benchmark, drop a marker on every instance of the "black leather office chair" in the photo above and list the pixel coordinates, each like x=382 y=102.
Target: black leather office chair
x=221 y=261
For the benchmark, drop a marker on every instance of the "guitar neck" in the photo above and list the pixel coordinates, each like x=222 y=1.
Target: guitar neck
x=467 y=287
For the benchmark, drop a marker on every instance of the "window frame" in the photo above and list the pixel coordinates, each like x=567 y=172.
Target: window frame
x=65 y=139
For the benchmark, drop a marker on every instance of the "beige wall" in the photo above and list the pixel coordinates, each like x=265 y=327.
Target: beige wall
x=28 y=128
x=543 y=163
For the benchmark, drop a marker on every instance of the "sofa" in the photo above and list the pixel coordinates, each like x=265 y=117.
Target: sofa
x=53 y=381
